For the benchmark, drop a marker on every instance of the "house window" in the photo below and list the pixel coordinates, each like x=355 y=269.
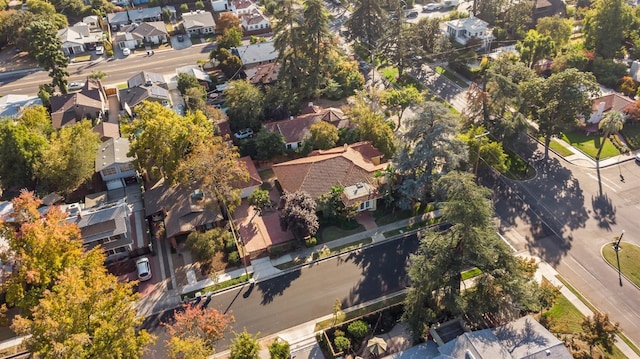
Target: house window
x=125 y=167
x=111 y=252
x=365 y=205
x=109 y=171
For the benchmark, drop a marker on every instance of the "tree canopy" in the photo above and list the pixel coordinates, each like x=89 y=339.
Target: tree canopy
x=323 y=135
x=299 y=214
x=605 y=26
x=244 y=102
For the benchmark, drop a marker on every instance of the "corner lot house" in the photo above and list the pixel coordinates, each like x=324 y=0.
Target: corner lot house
x=463 y=30
x=198 y=23
x=243 y=7
x=113 y=164
x=612 y=102
x=255 y=23
x=256 y=54
x=351 y=166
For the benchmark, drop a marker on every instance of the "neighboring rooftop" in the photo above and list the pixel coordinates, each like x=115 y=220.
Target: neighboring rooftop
x=259 y=53
x=112 y=151
x=13 y=105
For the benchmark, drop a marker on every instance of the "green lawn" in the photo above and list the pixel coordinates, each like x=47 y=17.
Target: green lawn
x=631 y=133
x=451 y=76
x=195 y=40
x=122 y=86
x=590 y=144
x=566 y=317
x=559 y=149
x=390 y=73
x=82 y=58
x=330 y=233
x=474 y=272
x=629 y=264
x=385 y=216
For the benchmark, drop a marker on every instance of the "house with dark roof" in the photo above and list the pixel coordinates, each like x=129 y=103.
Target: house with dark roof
x=545 y=8
x=131 y=97
x=256 y=54
x=107 y=226
x=113 y=163
x=254 y=182
x=107 y=130
x=296 y=129
x=146 y=78
x=89 y=103
x=181 y=209
x=197 y=23
x=263 y=75
x=611 y=102
x=352 y=166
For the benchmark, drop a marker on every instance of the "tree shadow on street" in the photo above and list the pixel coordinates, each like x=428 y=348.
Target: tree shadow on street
x=276 y=286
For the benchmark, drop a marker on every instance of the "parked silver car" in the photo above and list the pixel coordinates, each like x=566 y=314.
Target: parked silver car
x=144 y=269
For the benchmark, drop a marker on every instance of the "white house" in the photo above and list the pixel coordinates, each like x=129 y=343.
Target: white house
x=255 y=22
x=78 y=39
x=256 y=54
x=198 y=23
x=244 y=7
x=154 y=32
x=463 y=30
x=113 y=163
x=222 y=5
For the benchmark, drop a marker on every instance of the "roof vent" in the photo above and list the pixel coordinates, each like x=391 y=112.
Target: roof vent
x=197 y=195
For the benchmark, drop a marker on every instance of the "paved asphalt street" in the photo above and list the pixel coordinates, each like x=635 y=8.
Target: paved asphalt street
x=308 y=293
x=566 y=214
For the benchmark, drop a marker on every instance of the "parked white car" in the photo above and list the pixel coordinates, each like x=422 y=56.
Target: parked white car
x=432 y=7
x=75 y=86
x=144 y=269
x=246 y=133
x=99 y=50
x=126 y=51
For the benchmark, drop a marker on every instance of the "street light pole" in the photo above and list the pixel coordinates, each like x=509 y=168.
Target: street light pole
x=616 y=246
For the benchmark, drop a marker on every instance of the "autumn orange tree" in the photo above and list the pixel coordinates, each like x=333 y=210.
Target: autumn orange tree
x=194 y=331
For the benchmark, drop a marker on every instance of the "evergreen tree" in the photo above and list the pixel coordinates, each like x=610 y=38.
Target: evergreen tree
x=366 y=23
x=317 y=40
x=605 y=25
x=47 y=49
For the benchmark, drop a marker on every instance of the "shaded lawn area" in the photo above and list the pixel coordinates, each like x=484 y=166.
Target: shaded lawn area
x=631 y=133
x=328 y=233
x=590 y=144
x=629 y=264
x=560 y=149
x=385 y=215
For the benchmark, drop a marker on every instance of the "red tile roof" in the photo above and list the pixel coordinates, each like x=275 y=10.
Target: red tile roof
x=254 y=176
x=612 y=101
x=317 y=173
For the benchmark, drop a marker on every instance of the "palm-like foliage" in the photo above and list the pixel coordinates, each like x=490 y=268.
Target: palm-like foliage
x=611 y=123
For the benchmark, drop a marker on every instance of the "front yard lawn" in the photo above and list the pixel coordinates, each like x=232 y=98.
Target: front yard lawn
x=385 y=216
x=330 y=233
x=559 y=149
x=589 y=144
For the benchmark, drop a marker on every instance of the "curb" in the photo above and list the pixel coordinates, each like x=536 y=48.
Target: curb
x=613 y=267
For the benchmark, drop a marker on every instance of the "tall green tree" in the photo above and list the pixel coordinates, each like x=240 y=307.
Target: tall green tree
x=245 y=346
x=88 y=313
x=69 y=161
x=268 y=145
x=317 y=41
x=400 y=99
x=232 y=37
x=205 y=245
x=610 y=124
x=47 y=49
x=556 y=102
x=605 y=26
x=245 y=104
x=288 y=40
x=518 y=17
x=366 y=23
x=598 y=330
x=429 y=147
x=186 y=81
x=161 y=138
x=372 y=127
x=21 y=151
x=556 y=27
x=428 y=35
x=323 y=135
x=535 y=47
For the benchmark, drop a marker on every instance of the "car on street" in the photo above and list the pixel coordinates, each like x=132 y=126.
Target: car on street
x=99 y=50
x=242 y=134
x=144 y=269
x=75 y=86
x=432 y=7
x=412 y=15
x=126 y=51
x=638 y=158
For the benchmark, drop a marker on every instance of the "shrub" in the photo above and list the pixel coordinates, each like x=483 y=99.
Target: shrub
x=279 y=350
x=234 y=258
x=310 y=242
x=358 y=329
x=341 y=343
x=230 y=245
x=338 y=333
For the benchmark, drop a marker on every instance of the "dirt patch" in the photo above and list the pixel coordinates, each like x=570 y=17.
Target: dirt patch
x=12 y=60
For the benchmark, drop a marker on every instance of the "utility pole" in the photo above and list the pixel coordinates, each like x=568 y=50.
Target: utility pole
x=616 y=246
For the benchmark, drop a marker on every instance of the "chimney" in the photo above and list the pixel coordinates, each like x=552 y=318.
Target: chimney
x=79 y=215
x=290 y=117
x=310 y=104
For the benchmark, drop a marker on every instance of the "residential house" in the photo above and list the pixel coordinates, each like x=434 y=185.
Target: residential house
x=520 y=339
x=222 y=5
x=353 y=167
x=182 y=210
x=256 y=54
x=611 y=102
x=466 y=29
x=195 y=71
x=546 y=8
x=118 y=19
x=244 y=7
x=296 y=129
x=93 y=22
x=89 y=103
x=131 y=97
x=113 y=163
x=255 y=23
x=145 y=78
x=107 y=130
x=198 y=23
x=107 y=225
x=254 y=182
x=78 y=39
x=12 y=106
x=136 y=35
x=148 y=14
x=263 y=75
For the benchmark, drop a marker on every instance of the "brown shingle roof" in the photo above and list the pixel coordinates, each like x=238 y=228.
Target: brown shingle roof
x=264 y=74
x=297 y=129
x=184 y=213
x=68 y=109
x=254 y=176
x=612 y=101
x=316 y=174
x=107 y=130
